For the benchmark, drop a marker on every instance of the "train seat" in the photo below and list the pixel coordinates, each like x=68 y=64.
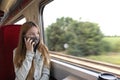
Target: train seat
x=9 y=35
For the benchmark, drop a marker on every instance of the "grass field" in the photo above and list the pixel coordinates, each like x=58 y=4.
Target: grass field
x=112 y=40
x=113 y=58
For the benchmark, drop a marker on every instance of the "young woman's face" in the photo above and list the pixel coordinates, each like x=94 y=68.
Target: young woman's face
x=32 y=32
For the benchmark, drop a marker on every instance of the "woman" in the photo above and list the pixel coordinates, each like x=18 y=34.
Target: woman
x=31 y=58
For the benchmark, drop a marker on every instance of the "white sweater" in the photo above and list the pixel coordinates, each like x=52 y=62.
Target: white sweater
x=41 y=72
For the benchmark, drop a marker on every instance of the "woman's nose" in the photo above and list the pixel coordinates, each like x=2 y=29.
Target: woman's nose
x=36 y=35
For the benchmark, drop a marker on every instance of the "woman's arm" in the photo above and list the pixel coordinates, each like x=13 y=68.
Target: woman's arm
x=22 y=72
x=45 y=74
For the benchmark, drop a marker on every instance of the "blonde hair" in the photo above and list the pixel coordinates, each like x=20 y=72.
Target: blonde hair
x=21 y=49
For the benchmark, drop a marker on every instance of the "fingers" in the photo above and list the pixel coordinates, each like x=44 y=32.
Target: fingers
x=29 y=43
x=33 y=43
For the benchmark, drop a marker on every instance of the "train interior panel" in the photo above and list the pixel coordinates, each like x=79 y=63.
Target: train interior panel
x=63 y=67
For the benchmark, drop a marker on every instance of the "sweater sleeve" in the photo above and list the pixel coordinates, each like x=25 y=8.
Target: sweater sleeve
x=46 y=73
x=22 y=72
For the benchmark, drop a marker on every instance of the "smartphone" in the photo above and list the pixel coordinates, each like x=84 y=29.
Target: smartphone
x=34 y=39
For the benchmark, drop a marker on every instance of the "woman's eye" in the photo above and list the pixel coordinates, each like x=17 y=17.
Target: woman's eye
x=30 y=35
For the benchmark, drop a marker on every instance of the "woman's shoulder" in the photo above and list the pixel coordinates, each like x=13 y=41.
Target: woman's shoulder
x=14 y=51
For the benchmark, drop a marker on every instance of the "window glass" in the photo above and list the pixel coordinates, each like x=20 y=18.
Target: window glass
x=23 y=20
x=84 y=28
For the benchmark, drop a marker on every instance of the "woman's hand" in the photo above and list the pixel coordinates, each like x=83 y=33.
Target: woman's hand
x=29 y=44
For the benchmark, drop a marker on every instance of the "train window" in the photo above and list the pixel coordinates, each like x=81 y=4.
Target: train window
x=84 y=28
x=23 y=20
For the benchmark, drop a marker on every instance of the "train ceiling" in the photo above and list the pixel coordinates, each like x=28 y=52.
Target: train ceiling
x=5 y=6
x=9 y=8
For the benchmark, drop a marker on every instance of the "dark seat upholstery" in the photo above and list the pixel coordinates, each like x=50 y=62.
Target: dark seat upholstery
x=8 y=41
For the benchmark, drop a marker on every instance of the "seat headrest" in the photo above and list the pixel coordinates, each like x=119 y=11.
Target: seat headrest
x=9 y=36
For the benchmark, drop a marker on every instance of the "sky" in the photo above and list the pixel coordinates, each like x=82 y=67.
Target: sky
x=104 y=12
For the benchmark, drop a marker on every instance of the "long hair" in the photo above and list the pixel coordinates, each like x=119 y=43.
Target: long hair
x=21 y=49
